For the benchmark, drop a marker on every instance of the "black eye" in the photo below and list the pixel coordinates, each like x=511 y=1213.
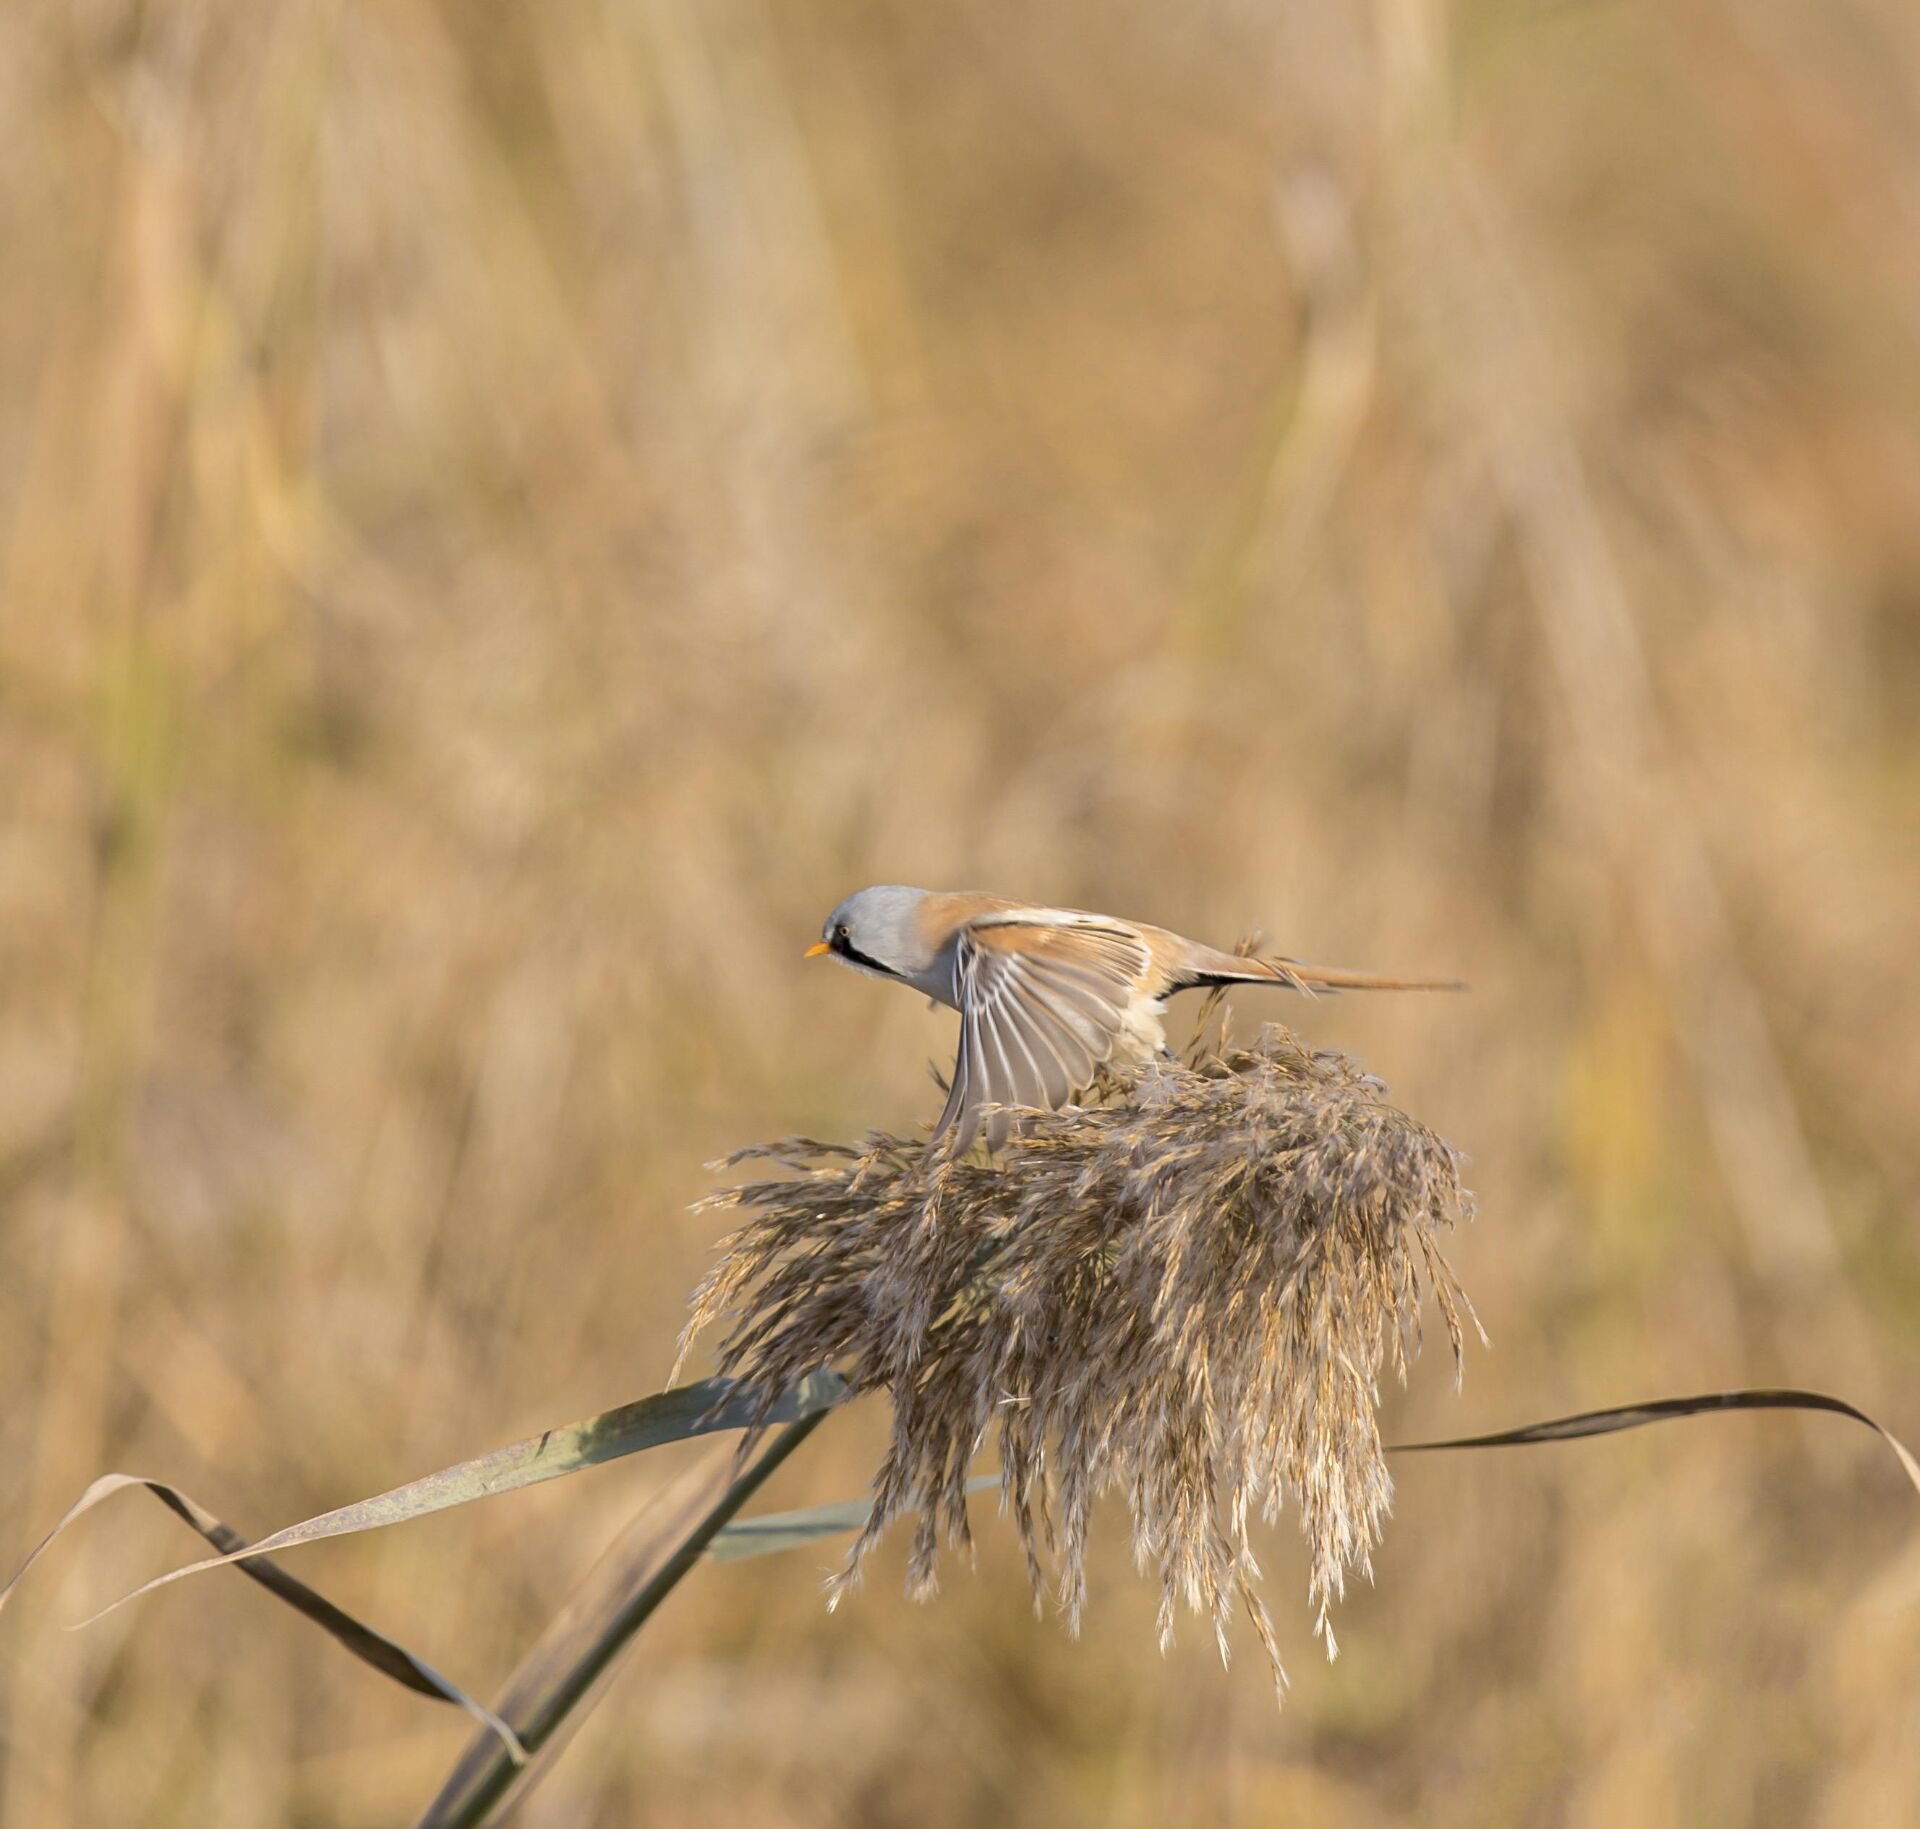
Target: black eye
x=843 y=932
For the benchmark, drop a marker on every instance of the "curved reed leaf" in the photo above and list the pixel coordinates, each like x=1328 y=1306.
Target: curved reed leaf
x=705 y=1408
x=370 y=1647
x=1666 y=1410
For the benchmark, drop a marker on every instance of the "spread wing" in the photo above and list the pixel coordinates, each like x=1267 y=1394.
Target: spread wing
x=1041 y=1006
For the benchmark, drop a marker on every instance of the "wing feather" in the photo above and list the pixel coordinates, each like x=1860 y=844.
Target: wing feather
x=1041 y=1006
x=1027 y=1025
x=1072 y=1028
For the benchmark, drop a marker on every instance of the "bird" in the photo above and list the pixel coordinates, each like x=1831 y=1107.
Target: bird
x=1047 y=996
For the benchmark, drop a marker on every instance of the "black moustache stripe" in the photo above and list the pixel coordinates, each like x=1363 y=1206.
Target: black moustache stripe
x=847 y=950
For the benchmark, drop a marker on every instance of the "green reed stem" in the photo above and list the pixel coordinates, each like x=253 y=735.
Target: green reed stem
x=473 y=1792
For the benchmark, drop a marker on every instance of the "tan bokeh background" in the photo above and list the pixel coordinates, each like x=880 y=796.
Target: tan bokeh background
x=507 y=513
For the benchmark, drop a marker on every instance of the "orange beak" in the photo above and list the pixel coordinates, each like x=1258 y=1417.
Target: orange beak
x=816 y=949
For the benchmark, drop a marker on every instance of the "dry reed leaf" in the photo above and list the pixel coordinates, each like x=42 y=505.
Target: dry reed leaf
x=668 y=1416
x=373 y=1648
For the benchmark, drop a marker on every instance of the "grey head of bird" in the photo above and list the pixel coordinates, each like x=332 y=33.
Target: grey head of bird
x=878 y=930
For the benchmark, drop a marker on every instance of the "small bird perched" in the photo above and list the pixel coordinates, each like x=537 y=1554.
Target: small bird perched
x=1046 y=995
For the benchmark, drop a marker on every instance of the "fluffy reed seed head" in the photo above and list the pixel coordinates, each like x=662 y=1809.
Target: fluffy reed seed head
x=1185 y=1293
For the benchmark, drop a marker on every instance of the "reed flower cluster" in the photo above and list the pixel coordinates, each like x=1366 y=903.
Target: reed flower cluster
x=1185 y=1293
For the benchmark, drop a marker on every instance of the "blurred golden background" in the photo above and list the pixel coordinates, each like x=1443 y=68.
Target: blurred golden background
x=507 y=514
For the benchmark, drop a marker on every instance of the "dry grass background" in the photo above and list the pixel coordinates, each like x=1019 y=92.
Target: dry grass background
x=506 y=514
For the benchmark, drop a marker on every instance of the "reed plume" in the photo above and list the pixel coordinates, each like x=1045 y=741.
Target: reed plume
x=1184 y=1292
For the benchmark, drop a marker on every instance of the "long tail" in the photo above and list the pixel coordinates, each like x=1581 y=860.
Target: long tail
x=1313 y=980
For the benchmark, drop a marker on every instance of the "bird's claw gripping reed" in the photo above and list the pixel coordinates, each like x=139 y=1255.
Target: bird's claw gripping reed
x=1185 y=1294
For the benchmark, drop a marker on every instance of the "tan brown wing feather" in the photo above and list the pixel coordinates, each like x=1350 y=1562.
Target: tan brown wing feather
x=1041 y=1006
